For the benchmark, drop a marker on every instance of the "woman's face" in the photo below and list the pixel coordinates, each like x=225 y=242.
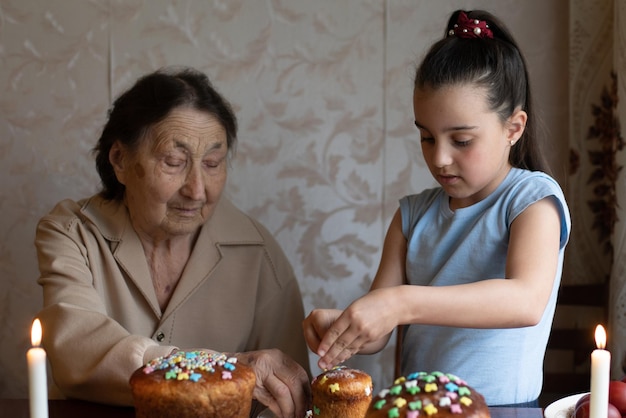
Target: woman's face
x=465 y=145
x=176 y=176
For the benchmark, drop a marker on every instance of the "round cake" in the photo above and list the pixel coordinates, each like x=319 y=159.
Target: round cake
x=341 y=392
x=433 y=395
x=193 y=384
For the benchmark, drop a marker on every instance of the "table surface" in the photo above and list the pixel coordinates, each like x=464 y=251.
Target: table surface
x=18 y=408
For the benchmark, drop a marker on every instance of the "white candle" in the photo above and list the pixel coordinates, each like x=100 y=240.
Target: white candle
x=37 y=380
x=600 y=377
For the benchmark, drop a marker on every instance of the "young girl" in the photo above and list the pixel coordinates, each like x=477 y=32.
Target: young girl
x=470 y=269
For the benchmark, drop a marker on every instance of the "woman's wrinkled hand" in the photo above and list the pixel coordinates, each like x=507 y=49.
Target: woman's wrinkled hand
x=281 y=383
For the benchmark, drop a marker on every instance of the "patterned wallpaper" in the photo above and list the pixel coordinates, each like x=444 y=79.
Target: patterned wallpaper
x=322 y=90
x=597 y=247
x=617 y=304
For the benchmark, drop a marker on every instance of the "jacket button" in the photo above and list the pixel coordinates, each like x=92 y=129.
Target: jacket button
x=160 y=336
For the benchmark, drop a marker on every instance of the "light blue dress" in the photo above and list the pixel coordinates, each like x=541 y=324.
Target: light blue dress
x=446 y=247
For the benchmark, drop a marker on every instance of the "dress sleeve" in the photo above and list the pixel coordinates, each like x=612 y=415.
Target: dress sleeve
x=536 y=187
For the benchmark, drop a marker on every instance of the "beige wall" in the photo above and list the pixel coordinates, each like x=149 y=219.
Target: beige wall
x=322 y=90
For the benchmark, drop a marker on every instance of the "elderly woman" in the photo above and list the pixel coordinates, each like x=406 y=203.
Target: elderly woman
x=159 y=260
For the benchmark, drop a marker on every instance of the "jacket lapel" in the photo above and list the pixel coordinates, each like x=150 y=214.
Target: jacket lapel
x=227 y=226
x=202 y=261
x=111 y=218
x=132 y=259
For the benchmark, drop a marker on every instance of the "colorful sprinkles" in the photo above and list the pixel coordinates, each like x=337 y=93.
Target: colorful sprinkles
x=405 y=397
x=187 y=365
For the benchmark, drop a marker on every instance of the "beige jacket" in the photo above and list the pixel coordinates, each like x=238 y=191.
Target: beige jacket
x=101 y=319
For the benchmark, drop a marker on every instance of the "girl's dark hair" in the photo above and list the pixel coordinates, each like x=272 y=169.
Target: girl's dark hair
x=497 y=65
x=149 y=101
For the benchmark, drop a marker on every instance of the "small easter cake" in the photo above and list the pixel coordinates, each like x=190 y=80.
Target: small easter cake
x=341 y=392
x=432 y=395
x=193 y=384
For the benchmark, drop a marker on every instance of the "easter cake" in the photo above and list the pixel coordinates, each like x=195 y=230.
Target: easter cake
x=431 y=395
x=341 y=392
x=193 y=384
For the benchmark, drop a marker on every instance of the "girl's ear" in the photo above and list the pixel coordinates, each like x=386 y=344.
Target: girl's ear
x=515 y=125
x=118 y=159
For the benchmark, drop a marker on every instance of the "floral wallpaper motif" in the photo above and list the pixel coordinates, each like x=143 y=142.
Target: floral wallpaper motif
x=590 y=68
x=605 y=132
x=323 y=93
x=596 y=182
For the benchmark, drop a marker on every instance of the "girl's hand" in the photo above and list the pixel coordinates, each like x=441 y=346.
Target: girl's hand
x=316 y=325
x=365 y=326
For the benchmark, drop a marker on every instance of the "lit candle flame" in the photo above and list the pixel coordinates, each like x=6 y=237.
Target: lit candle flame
x=35 y=333
x=600 y=337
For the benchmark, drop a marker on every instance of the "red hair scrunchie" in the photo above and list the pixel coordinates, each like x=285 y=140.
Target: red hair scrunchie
x=470 y=28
